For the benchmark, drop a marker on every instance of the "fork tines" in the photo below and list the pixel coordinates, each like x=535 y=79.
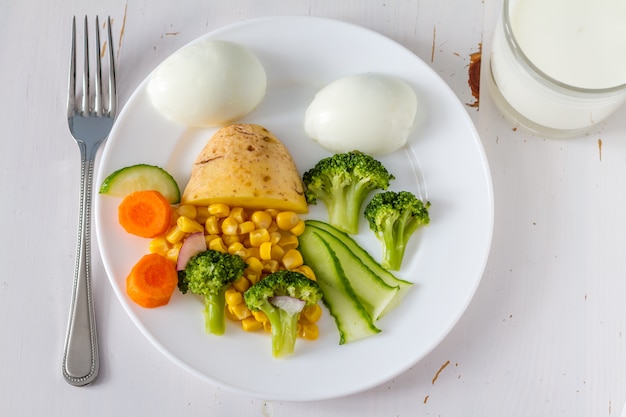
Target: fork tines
x=92 y=104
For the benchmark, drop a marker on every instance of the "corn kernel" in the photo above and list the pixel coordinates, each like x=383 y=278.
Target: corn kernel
x=277 y=252
x=275 y=237
x=253 y=277
x=229 y=226
x=286 y=220
x=288 y=241
x=172 y=254
x=273 y=228
x=306 y=271
x=272 y=212
x=233 y=297
x=219 y=210
x=241 y=285
x=298 y=229
x=229 y=314
x=262 y=219
x=235 y=247
x=212 y=225
x=239 y=214
x=254 y=265
x=267 y=326
x=309 y=331
x=174 y=235
x=189 y=225
x=260 y=316
x=265 y=251
x=250 y=324
x=202 y=213
x=159 y=245
x=209 y=238
x=241 y=311
x=292 y=259
x=311 y=314
x=187 y=210
x=217 y=244
x=252 y=252
x=270 y=266
x=246 y=227
x=242 y=253
x=257 y=237
x=230 y=239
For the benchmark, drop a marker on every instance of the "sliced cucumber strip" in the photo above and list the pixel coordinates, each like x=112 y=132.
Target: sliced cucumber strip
x=384 y=274
x=351 y=318
x=374 y=293
x=141 y=177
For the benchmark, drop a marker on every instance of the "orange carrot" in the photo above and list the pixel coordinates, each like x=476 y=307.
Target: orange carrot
x=152 y=281
x=145 y=213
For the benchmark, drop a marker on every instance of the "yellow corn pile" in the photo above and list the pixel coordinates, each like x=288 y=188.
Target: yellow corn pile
x=266 y=239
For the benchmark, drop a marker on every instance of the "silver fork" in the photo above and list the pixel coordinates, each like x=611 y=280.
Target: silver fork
x=90 y=122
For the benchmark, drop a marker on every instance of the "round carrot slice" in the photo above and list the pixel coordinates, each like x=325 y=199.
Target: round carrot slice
x=145 y=213
x=152 y=281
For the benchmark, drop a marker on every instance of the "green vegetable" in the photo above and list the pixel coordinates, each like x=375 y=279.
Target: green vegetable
x=343 y=182
x=138 y=178
x=351 y=317
x=364 y=256
x=210 y=274
x=281 y=296
x=374 y=293
x=394 y=217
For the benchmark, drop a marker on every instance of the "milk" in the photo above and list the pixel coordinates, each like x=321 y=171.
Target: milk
x=564 y=67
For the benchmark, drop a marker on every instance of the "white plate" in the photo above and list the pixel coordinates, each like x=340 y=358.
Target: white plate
x=445 y=163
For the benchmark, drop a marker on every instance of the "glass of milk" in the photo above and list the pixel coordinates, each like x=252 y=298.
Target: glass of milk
x=558 y=67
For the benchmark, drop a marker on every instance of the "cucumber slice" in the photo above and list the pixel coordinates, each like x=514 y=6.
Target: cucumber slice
x=368 y=260
x=374 y=293
x=351 y=318
x=141 y=177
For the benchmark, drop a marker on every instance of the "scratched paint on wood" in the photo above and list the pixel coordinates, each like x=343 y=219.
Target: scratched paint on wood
x=439 y=371
x=474 y=76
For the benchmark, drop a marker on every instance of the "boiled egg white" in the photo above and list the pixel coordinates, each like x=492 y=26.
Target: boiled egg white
x=208 y=83
x=371 y=113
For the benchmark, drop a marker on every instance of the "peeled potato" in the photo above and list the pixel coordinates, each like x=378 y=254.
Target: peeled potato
x=245 y=165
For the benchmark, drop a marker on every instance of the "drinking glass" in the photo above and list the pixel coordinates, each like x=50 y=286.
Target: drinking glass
x=558 y=67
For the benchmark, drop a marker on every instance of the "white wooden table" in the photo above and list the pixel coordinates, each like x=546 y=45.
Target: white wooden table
x=543 y=336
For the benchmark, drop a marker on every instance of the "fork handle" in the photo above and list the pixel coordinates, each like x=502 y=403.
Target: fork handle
x=80 y=355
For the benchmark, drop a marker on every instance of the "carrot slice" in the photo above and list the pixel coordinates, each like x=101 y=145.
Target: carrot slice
x=145 y=213
x=152 y=281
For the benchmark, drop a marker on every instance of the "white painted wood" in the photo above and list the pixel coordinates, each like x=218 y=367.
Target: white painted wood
x=542 y=337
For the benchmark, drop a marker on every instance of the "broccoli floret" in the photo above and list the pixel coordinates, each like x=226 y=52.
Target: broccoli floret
x=281 y=296
x=209 y=274
x=394 y=217
x=343 y=182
